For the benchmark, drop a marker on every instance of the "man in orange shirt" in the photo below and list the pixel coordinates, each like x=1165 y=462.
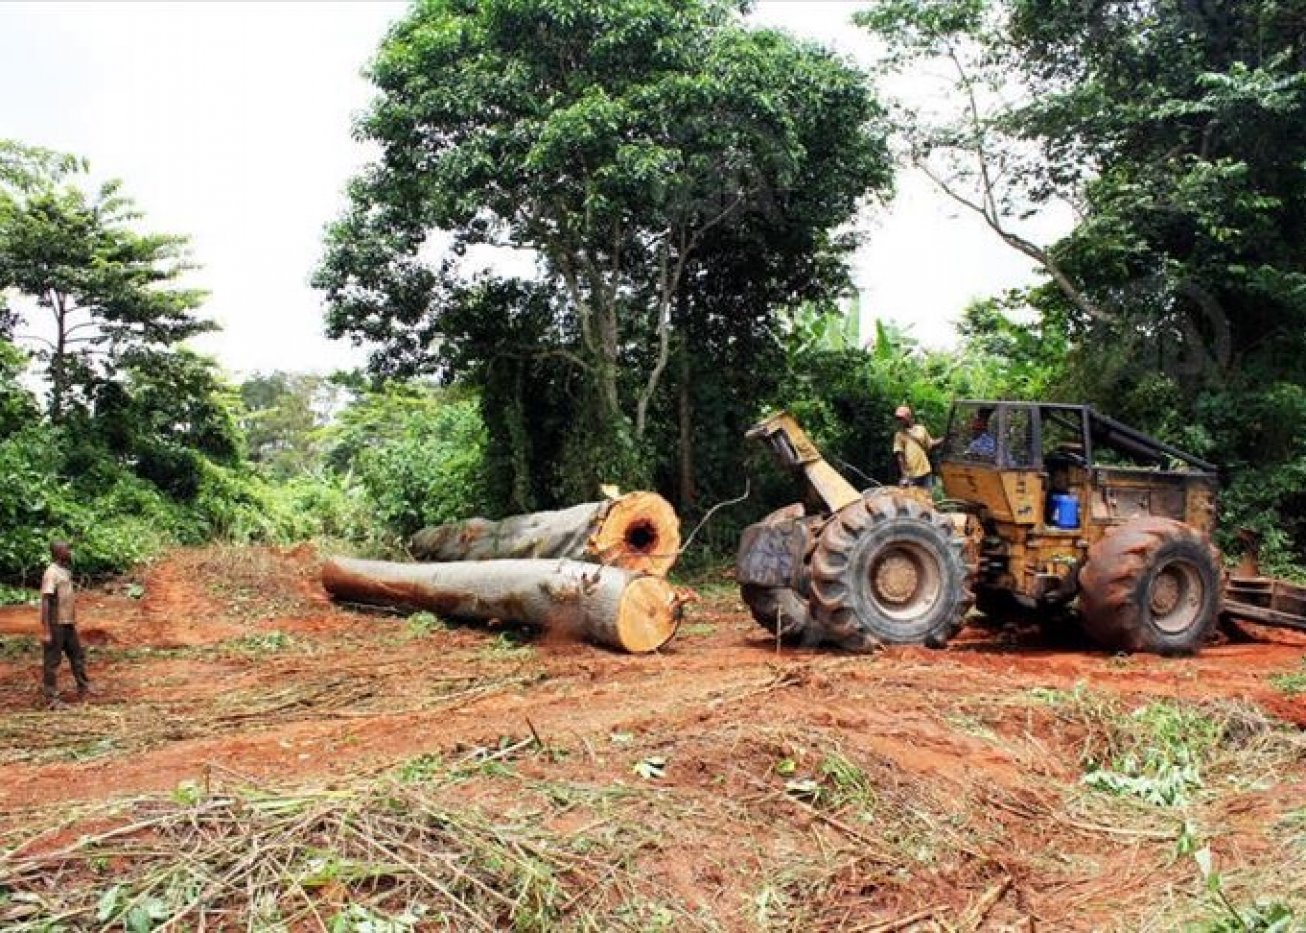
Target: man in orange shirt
x=59 y=625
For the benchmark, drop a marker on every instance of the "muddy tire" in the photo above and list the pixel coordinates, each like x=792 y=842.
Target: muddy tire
x=889 y=570
x=1153 y=584
x=782 y=538
x=780 y=611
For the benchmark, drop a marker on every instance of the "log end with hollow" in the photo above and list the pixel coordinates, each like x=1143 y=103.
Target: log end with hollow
x=638 y=531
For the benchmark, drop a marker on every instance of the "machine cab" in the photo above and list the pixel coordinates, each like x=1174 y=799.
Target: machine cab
x=1056 y=468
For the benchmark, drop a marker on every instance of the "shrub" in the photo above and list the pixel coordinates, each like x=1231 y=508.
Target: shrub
x=418 y=454
x=325 y=505
x=113 y=518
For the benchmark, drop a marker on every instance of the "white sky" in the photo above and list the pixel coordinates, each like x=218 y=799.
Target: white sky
x=230 y=123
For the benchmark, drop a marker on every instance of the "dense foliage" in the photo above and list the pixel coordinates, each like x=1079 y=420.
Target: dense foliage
x=116 y=438
x=673 y=190
x=111 y=435
x=1192 y=240
x=1176 y=130
x=663 y=176
x=417 y=453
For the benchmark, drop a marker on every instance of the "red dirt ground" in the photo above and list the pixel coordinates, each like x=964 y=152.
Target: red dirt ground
x=233 y=663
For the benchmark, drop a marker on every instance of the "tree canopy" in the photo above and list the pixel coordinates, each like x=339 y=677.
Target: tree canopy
x=1177 y=132
x=138 y=444
x=619 y=143
x=94 y=294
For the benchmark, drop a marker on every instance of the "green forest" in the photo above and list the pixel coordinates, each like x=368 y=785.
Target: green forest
x=687 y=185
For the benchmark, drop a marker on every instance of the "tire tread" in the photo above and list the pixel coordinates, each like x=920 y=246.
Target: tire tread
x=1113 y=576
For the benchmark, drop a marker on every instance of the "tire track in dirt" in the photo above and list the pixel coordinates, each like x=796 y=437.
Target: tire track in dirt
x=894 y=703
x=567 y=709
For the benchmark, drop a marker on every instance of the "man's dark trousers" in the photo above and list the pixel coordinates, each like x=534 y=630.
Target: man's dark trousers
x=63 y=640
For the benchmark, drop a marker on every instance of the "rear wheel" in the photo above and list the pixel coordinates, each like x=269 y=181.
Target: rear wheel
x=1151 y=585
x=889 y=570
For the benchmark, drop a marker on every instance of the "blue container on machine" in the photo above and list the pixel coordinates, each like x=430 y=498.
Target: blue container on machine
x=1065 y=510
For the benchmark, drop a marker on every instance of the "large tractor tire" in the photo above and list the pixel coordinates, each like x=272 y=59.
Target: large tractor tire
x=1153 y=584
x=768 y=567
x=781 y=611
x=890 y=570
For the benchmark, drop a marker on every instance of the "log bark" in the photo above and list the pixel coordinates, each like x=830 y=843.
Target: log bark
x=637 y=531
x=619 y=608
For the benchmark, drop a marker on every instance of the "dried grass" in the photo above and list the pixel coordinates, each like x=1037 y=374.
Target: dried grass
x=268 y=860
x=99 y=729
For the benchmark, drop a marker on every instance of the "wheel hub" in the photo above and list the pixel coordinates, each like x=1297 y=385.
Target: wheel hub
x=1176 y=597
x=1165 y=593
x=896 y=578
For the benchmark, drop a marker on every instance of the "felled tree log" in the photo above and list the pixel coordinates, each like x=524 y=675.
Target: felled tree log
x=619 y=608
x=637 y=531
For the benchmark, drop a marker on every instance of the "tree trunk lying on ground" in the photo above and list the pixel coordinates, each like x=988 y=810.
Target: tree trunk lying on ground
x=637 y=531
x=619 y=608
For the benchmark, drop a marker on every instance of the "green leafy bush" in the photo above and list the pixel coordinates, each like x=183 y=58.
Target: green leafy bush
x=17 y=596
x=418 y=454
x=33 y=501
x=113 y=518
x=1157 y=753
x=323 y=505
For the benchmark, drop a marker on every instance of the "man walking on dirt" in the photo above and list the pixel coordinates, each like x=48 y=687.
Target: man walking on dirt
x=911 y=446
x=59 y=625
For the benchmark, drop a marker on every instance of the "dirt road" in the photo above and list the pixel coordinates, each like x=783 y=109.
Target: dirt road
x=774 y=788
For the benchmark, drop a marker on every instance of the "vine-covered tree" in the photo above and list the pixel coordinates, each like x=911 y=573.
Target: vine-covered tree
x=621 y=143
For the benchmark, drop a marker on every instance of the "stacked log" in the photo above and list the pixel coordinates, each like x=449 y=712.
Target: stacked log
x=638 y=531
x=612 y=606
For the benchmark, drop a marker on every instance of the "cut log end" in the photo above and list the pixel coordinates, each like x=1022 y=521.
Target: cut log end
x=639 y=531
x=648 y=615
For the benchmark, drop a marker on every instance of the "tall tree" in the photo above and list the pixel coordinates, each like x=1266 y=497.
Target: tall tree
x=614 y=139
x=91 y=289
x=1177 y=129
x=22 y=168
x=969 y=135
x=283 y=412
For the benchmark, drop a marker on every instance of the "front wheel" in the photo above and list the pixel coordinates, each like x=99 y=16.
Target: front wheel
x=780 y=611
x=1153 y=584
x=889 y=570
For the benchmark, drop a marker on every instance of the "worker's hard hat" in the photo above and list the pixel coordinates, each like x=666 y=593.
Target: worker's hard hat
x=902 y=412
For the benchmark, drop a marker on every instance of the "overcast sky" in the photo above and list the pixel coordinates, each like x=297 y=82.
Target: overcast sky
x=230 y=123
